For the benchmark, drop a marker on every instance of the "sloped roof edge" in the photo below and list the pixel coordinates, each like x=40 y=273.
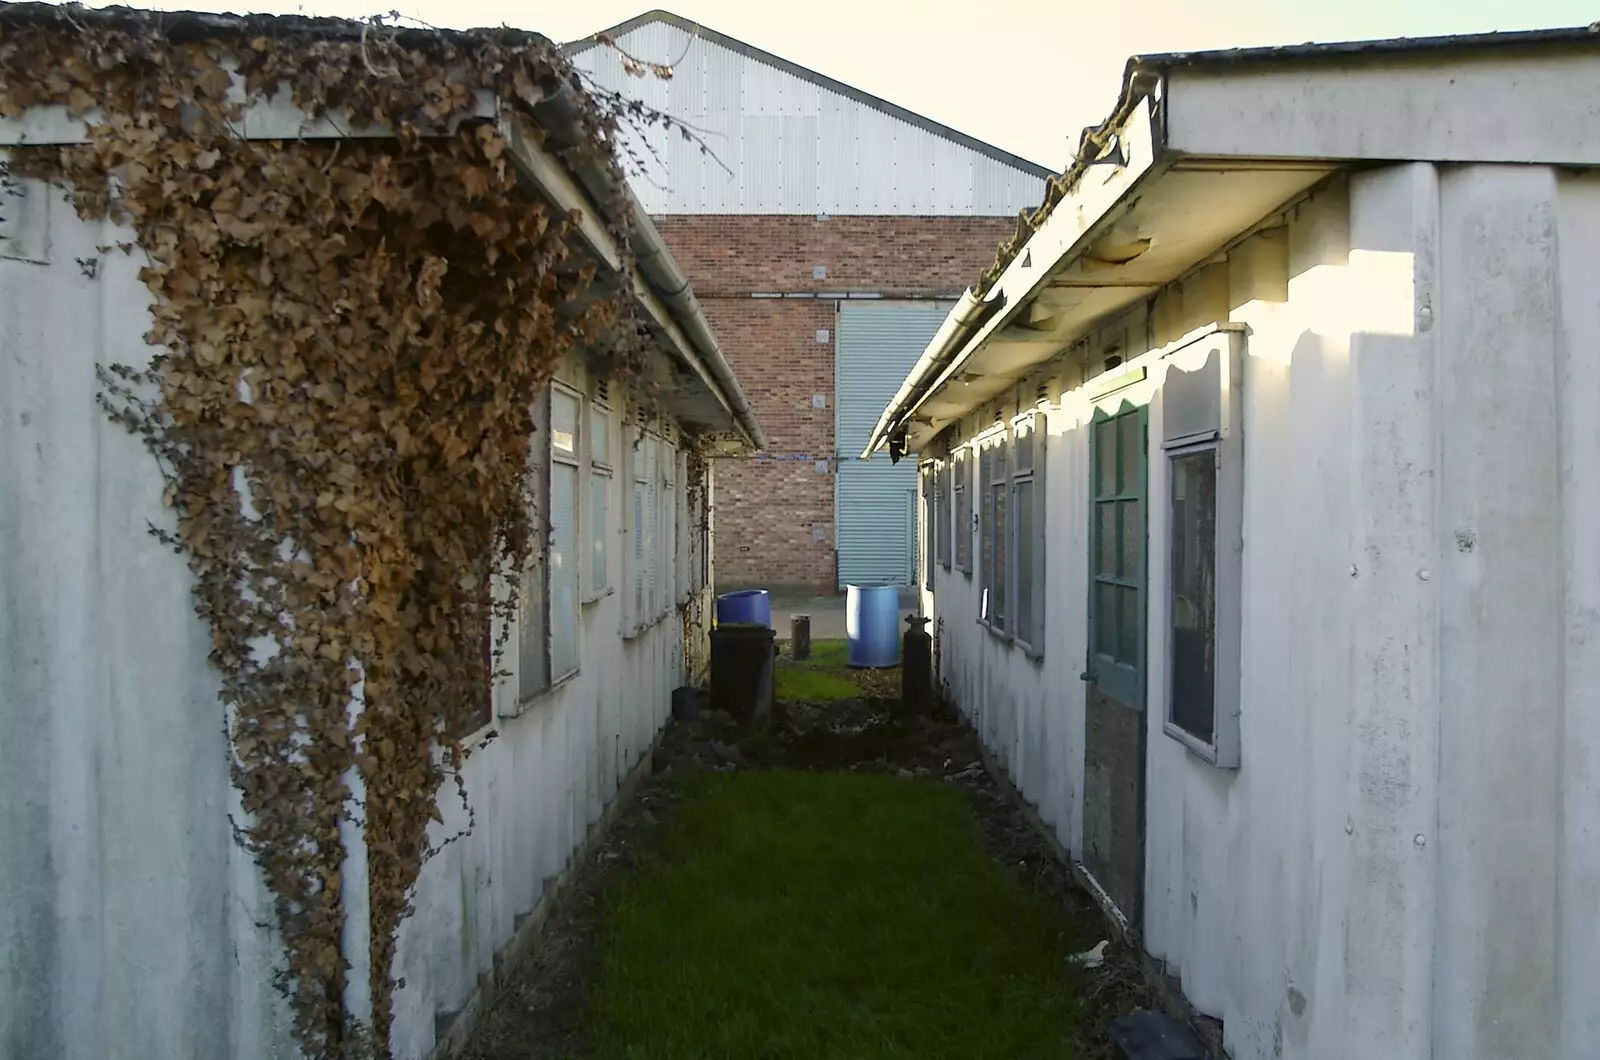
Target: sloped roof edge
x=1142 y=72
x=822 y=80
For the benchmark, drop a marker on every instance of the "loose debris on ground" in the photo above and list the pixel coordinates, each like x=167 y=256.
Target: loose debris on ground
x=539 y=1013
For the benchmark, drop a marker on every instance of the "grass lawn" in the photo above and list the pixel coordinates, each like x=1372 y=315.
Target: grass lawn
x=822 y=677
x=814 y=686
x=794 y=916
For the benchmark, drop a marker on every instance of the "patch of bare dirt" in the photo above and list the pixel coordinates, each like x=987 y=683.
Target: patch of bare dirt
x=538 y=1014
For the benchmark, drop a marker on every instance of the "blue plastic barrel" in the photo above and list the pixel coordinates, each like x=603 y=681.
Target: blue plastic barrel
x=751 y=607
x=872 y=625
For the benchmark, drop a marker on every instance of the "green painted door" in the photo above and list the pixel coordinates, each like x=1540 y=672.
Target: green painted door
x=1115 y=727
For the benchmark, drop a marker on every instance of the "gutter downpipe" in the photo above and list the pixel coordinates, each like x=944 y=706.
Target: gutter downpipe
x=559 y=117
x=970 y=312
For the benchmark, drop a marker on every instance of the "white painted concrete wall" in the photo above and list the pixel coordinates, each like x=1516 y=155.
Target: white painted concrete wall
x=1404 y=865
x=127 y=914
x=131 y=925
x=536 y=790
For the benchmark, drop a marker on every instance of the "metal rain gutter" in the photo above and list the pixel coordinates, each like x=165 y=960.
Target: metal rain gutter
x=559 y=117
x=946 y=344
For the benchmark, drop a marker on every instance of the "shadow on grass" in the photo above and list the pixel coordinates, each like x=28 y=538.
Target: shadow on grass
x=792 y=915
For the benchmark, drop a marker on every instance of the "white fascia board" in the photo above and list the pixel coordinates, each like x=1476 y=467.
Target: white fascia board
x=1067 y=232
x=1528 y=106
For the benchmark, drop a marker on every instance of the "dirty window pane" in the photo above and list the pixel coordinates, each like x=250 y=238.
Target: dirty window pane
x=941 y=516
x=599 y=491
x=998 y=613
x=563 y=423
x=639 y=551
x=1025 y=572
x=1130 y=538
x=1194 y=508
x=1128 y=622
x=963 y=505
x=1023 y=456
x=986 y=538
x=1105 y=619
x=533 y=671
x=1105 y=457
x=1107 y=535
x=1131 y=447
x=600 y=435
x=563 y=570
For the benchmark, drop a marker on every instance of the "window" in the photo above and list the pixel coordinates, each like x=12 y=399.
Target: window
x=566 y=410
x=963 y=505
x=597 y=515
x=1194 y=601
x=942 y=513
x=666 y=502
x=928 y=524
x=1028 y=508
x=533 y=605
x=655 y=531
x=1205 y=514
x=687 y=552
x=643 y=529
x=1116 y=604
x=994 y=530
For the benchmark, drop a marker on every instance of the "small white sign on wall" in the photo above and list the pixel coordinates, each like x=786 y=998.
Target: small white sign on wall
x=819 y=401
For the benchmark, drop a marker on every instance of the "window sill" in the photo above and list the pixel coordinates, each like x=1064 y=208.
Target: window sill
x=597 y=597
x=996 y=631
x=1206 y=752
x=646 y=626
x=532 y=700
x=1034 y=655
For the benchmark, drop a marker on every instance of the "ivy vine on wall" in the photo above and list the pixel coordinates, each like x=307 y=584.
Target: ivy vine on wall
x=349 y=334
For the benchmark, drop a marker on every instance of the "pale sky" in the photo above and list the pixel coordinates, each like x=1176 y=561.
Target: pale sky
x=1025 y=75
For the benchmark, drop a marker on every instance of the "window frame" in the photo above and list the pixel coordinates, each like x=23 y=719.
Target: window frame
x=994 y=480
x=942 y=511
x=965 y=520
x=574 y=459
x=536 y=562
x=1186 y=433
x=651 y=527
x=1035 y=420
x=926 y=475
x=666 y=501
x=637 y=493
x=601 y=475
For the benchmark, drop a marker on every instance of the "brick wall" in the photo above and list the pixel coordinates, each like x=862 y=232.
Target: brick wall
x=739 y=254
x=775 y=517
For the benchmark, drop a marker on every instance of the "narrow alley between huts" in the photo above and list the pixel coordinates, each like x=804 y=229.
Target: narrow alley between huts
x=846 y=880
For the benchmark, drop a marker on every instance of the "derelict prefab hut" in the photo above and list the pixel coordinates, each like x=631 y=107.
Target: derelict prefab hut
x=1261 y=493
x=247 y=727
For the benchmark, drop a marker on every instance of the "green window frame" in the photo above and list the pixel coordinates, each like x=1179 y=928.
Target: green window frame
x=1117 y=554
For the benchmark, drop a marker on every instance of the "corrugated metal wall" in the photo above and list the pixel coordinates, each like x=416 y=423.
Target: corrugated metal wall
x=878 y=343
x=780 y=144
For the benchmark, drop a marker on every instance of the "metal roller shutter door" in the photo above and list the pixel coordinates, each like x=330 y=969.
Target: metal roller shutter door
x=878 y=343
